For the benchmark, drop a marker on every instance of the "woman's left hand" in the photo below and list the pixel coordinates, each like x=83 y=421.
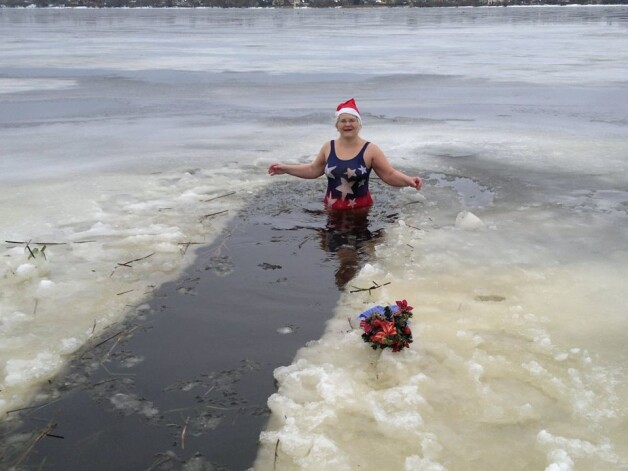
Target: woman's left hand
x=416 y=183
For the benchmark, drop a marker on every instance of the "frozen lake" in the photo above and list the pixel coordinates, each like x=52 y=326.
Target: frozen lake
x=118 y=128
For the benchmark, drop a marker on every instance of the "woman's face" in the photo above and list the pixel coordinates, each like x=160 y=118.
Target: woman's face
x=348 y=125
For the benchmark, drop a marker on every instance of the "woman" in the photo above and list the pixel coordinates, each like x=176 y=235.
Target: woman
x=347 y=162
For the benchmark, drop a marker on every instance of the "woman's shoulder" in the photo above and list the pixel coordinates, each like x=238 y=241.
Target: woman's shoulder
x=372 y=148
x=325 y=149
x=372 y=153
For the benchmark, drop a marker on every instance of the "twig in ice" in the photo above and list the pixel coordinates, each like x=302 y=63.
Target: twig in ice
x=21 y=242
x=214 y=214
x=186 y=246
x=216 y=197
x=128 y=264
x=276 y=454
x=29 y=250
x=375 y=286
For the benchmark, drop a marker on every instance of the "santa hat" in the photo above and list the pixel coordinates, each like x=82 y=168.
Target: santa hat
x=348 y=107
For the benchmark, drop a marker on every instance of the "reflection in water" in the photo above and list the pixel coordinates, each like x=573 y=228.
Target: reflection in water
x=347 y=235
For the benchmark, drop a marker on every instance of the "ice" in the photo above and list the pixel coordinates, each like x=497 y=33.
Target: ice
x=45 y=289
x=8 y=85
x=468 y=221
x=563 y=450
x=130 y=404
x=416 y=463
x=70 y=345
x=26 y=271
x=410 y=195
x=560 y=461
x=27 y=370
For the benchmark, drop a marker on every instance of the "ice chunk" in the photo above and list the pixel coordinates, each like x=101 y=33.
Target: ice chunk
x=26 y=271
x=70 y=345
x=20 y=371
x=416 y=463
x=468 y=221
x=45 y=288
x=131 y=404
x=561 y=461
x=410 y=195
x=369 y=270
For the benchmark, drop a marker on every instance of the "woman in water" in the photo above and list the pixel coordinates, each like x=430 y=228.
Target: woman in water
x=347 y=162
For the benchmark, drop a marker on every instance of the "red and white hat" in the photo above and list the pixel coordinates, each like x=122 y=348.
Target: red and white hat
x=348 y=107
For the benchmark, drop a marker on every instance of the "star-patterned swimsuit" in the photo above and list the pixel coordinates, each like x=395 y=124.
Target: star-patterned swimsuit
x=347 y=181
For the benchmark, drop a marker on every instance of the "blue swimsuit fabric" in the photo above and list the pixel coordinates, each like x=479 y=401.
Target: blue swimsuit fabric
x=347 y=181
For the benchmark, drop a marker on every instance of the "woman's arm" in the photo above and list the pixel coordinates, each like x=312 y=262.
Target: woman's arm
x=389 y=174
x=312 y=170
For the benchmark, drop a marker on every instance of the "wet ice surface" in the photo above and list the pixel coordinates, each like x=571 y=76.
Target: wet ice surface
x=471 y=194
x=514 y=254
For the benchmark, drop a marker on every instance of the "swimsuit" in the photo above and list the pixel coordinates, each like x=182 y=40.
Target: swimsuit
x=347 y=181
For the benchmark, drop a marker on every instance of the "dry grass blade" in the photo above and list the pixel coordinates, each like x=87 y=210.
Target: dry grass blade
x=122 y=333
x=45 y=432
x=276 y=454
x=22 y=242
x=159 y=462
x=29 y=249
x=214 y=214
x=128 y=264
x=121 y=336
x=186 y=246
x=221 y=196
x=183 y=432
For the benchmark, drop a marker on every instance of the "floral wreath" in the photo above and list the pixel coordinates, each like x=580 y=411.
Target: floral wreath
x=387 y=327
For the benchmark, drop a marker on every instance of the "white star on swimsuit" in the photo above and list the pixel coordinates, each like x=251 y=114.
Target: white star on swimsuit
x=362 y=169
x=350 y=173
x=331 y=201
x=328 y=171
x=352 y=203
x=345 y=188
x=362 y=182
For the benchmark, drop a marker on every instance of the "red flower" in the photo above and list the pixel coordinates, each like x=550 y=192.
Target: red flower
x=386 y=329
x=403 y=305
x=379 y=323
x=366 y=326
